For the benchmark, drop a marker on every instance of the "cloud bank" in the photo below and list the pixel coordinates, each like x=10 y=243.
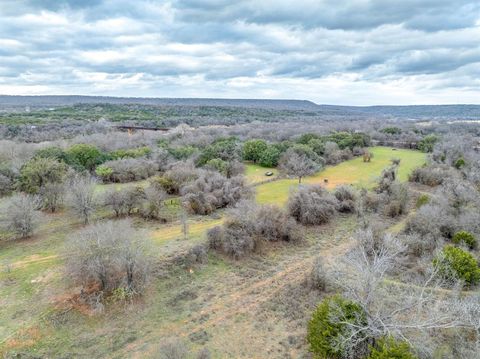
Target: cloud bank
x=357 y=52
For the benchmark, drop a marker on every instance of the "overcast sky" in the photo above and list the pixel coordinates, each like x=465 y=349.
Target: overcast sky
x=356 y=52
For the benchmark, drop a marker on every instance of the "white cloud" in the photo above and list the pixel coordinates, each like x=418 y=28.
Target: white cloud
x=353 y=52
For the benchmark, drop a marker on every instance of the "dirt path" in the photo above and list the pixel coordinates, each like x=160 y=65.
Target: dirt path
x=33 y=259
x=247 y=294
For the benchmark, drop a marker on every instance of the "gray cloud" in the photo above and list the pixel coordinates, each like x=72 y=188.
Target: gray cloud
x=244 y=49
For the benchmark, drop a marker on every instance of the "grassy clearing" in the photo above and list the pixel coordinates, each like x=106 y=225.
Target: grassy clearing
x=354 y=172
x=196 y=229
x=256 y=173
x=31 y=273
x=218 y=305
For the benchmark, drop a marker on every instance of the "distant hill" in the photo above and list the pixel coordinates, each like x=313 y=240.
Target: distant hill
x=423 y=111
x=55 y=101
x=19 y=103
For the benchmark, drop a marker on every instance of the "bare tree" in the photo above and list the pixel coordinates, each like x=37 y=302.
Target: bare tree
x=470 y=312
x=52 y=195
x=298 y=164
x=114 y=199
x=21 y=215
x=407 y=311
x=154 y=202
x=248 y=224
x=184 y=223
x=108 y=256
x=82 y=196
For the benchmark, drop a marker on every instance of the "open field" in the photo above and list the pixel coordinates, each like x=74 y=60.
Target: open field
x=31 y=276
x=256 y=173
x=218 y=305
x=354 y=172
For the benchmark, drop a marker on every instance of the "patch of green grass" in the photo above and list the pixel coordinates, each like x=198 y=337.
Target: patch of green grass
x=256 y=173
x=355 y=172
x=196 y=229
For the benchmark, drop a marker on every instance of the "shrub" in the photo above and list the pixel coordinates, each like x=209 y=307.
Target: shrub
x=455 y=263
x=307 y=137
x=6 y=185
x=235 y=168
x=270 y=157
x=419 y=246
x=393 y=195
x=109 y=256
x=216 y=164
x=432 y=220
x=21 y=215
x=464 y=237
x=312 y=205
x=429 y=175
x=248 y=224
x=253 y=150
x=359 y=151
x=153 y=203
x=160 y=158
x=369 y=201
x=126 y=170
x=460 y=163
x=211 y=191
x=52 y=152
x=215 y=237
x=393 y=209
x=204 y=353
x=391 y=130
x=346 y=197
x=82 y=196
x=51 y=195
x=273 y=224
x=182 y=152
x=105 y=173
x=197 y=255
x=130 y=153
x=176 y=177
x=165 y=183
x=125 y=200
x=396 y=199
x=39 y=171
x=318 y=277
x=427 y=143
x=422 y=200
x=328 y=326
x=172 y=349
x=238 y=238
x=317 y=145
x=332 y=153
x=387 y=178
x=349 y=140
x=84 y=157
x=389 y=348
x=227 y=149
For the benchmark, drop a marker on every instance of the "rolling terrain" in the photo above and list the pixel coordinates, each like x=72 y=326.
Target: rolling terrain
x=250 y=308
x=460 y=111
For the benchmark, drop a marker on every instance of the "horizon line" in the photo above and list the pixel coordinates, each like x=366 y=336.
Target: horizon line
x=235 y=99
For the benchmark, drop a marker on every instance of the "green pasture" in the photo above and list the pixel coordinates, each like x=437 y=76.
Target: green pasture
x=354 y=172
